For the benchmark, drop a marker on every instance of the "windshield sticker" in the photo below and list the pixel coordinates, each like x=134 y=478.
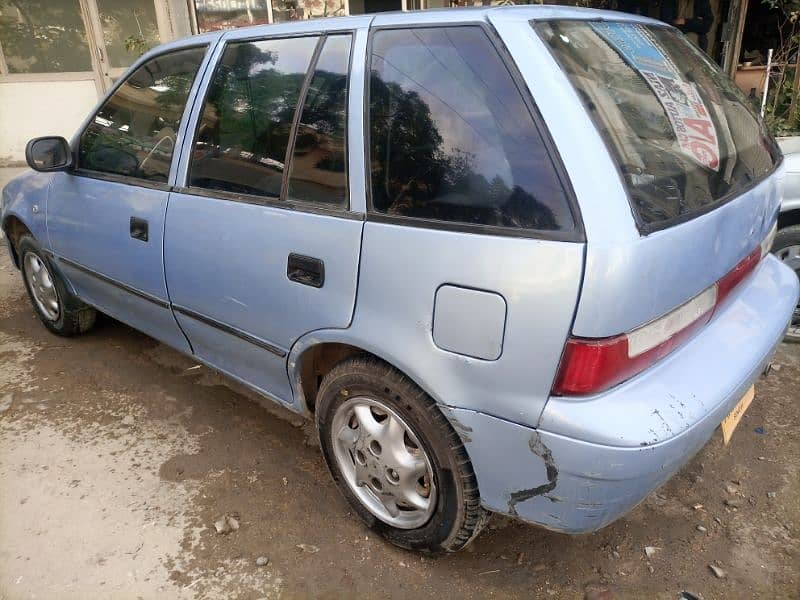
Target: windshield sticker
x=685 y=109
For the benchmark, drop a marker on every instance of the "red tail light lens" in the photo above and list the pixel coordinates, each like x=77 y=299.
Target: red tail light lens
x=589 y=366
x=739 y=272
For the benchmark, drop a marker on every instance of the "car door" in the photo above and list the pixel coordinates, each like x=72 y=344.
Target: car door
x=105 y=219
x=261 y=245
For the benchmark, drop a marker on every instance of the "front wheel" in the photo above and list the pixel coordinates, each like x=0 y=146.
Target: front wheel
x=58 y=309
x=396 y=459
x=787 y=248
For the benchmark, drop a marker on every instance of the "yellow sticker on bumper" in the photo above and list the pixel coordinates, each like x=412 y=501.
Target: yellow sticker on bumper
x=730 y=422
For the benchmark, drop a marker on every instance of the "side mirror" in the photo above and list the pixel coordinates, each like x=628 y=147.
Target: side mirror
x=50 y=153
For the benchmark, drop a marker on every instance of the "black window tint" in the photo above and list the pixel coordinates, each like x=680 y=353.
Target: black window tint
x=451 y=137
x=247 y=118
x=318 y=171
x=134 y=132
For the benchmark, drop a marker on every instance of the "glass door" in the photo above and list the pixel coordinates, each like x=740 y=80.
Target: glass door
x=123 y=30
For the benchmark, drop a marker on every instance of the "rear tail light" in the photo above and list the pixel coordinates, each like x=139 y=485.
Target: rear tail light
x=591 y=365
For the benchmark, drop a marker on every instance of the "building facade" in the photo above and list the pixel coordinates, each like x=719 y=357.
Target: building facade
x=58 y=57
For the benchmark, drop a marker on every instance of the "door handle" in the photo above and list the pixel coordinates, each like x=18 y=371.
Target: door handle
x=306 y=270
x=139 y=229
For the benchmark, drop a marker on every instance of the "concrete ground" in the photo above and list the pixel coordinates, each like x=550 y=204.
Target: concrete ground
x=117 y=456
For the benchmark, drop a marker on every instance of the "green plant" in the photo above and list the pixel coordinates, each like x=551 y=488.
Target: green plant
x=781 y=110
x=136 y=44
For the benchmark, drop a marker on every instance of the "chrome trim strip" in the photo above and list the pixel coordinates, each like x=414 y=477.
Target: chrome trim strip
x=114 y=282
x=230 y=330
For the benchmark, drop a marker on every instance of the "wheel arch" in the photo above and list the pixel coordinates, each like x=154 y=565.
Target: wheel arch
x=316 y=353
x=14 y=228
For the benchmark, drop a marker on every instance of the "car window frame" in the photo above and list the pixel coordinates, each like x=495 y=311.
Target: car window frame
x=576 y=234
x=643 y=228
x=176 y=151
x=283 y=202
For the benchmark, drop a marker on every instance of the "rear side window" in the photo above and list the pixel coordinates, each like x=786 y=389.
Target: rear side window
x=247 y=118
x=133 y=134
x=684 y=136
x=451 y=137
x=318 y=170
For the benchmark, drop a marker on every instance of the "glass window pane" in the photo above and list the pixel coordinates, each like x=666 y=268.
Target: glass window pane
x=451 y=137
x=296 y=10
x=247 y=118
x=134 y=132
x=318 y=170
x=683 y=134
x=129 y=29
x=43 y=36
x=213 y=15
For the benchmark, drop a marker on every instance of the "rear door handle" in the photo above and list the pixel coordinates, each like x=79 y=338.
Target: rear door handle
x=139 y=229
x=306 y=270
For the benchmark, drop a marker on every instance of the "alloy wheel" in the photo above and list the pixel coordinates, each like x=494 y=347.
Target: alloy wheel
x=42 y=286
x=384 y=462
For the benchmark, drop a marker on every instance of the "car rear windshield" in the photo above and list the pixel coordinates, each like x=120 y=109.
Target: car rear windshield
x=684 y=136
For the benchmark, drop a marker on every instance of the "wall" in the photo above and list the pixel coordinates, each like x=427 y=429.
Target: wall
x=31 y=109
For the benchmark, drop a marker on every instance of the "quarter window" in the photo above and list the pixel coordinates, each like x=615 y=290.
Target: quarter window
x=134 y=132
x=451 y=137
x=247 y=118
x=318 y=170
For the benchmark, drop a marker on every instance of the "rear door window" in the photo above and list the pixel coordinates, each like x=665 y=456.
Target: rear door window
x=134 y=132
x=684 y=136
x=318 y=169
x=451 y=137
x=246 y=123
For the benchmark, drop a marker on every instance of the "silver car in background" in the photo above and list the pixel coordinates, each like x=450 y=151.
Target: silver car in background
x=787 y=241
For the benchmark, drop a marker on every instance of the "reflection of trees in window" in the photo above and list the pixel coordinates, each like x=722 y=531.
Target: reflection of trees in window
x=318 y=169
x=134 y=132
x=246 y=121
x=414 y=174
x=450 y=137
x=43 y=36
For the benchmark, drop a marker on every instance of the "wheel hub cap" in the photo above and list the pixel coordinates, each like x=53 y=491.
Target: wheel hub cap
x=384 y=463
x=41 y=285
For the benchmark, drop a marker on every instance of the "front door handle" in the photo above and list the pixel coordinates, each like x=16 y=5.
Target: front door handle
x=139 y=229
x=306 y=270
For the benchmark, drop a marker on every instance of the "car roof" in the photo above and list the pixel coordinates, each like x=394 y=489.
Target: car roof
x=413 y=17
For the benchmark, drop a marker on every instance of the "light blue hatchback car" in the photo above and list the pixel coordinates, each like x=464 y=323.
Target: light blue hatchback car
x=511 y=259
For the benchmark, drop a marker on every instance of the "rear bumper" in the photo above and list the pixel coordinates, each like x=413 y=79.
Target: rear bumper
x=593 y=459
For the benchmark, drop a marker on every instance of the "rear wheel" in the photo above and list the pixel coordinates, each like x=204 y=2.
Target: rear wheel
x=60 y=311
x=396 y=459
x=787 y=248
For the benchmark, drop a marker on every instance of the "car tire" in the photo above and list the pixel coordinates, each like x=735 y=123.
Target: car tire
x=62 y=312
x=787 y=248
x=364 y=401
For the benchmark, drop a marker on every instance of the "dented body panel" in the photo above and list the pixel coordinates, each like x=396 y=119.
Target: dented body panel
x=592 y=460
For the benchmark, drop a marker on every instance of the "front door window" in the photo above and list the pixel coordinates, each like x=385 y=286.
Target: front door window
x=134 y=132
